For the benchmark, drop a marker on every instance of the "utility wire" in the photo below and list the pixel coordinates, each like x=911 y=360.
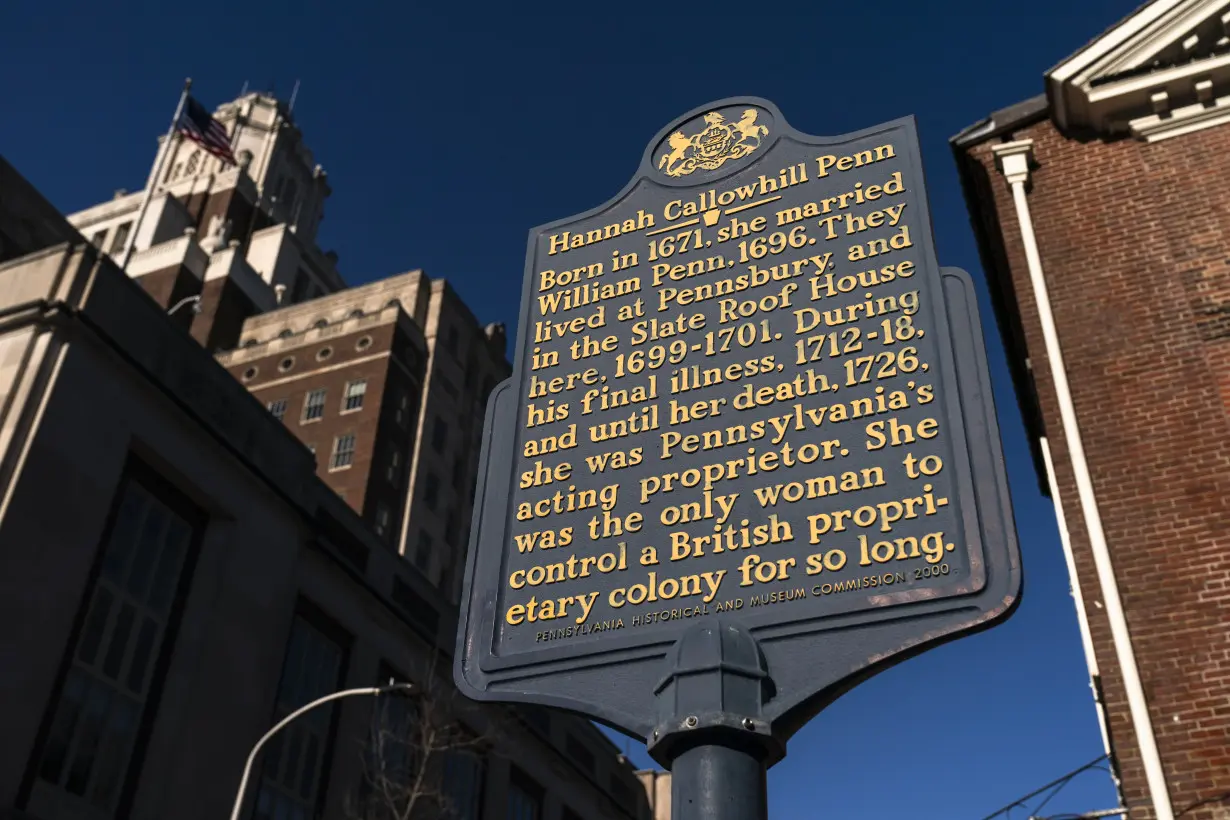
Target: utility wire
x=1058 y=782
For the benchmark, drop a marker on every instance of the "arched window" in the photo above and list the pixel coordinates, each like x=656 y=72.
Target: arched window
x=194 y=162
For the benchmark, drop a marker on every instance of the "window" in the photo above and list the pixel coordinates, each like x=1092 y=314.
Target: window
x=390 y=765
x=343 y=452
x=524 y=797
x=394 y=471
x=98 y=239
x=314 y=405
x=422 y=553
x=439 y=435
x=277 y=408
x=121 y=237
x=129 y=622
x=295 y=758
x=382 y=519
x=431 y=491
x=352 y=398
x=299 y=290
x=459 y=473
x=403 y=410
x=450 y=340
x=463 y=784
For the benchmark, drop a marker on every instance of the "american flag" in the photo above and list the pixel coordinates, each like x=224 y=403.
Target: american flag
x=198 y=125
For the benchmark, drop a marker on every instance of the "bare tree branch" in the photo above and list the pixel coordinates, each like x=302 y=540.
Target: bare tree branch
x=419 y=748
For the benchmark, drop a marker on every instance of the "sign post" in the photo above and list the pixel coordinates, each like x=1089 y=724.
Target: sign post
x=748 y=455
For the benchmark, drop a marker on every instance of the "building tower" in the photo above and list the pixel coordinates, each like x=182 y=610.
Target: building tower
x=234 y=236
x=386 y=383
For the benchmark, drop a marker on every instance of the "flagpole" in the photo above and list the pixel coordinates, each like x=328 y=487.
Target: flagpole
x=149 y=189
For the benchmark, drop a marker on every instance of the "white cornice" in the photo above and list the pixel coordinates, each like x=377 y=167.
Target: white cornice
x=1135 y=40
x=1182 y=37
x=1182 y=121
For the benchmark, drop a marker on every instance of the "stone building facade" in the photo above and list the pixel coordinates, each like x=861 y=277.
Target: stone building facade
x=1101 y=209
x=175 y=578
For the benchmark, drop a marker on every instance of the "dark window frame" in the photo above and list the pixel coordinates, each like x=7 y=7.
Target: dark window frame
x=519 y=780
x=316 y=618
x=313 y=406
x=439 y=434
x=119 y=239
x=165 y=491
x=277 y=408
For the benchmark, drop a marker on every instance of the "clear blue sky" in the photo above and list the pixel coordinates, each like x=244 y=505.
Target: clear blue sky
x=436 y=120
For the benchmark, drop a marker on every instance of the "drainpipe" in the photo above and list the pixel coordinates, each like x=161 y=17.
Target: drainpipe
x=1078 y=598
x=1014 y=162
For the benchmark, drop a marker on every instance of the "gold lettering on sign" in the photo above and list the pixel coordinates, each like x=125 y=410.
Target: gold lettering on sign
x=713 y=146
x=742 y=369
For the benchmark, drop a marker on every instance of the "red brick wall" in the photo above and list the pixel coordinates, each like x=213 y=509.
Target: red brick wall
x=1135 y=244
x=364 y=483
x=224 y=306
x=227 y=204
x=168 y=287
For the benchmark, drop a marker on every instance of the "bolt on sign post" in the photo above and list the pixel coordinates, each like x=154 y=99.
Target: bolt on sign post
x=748 y=455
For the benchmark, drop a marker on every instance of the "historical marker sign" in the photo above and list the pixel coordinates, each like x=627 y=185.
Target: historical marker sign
x=744 y=393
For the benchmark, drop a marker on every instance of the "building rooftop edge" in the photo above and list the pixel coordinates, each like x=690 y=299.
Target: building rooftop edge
x=1004 y=120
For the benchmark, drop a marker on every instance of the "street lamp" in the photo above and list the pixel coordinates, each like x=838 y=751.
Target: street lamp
x=281 y=724
x=196 y=304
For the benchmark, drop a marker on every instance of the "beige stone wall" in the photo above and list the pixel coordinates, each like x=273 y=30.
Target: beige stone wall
x=94 y=375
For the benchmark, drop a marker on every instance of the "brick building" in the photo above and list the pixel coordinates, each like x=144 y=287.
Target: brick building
x=1102 y=214
x=387 y=383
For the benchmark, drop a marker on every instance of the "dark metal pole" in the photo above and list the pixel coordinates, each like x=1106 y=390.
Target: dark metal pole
x=711 y=733
x=718 y=783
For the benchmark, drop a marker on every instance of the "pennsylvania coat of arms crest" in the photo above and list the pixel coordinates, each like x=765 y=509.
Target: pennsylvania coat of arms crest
x=714 y=145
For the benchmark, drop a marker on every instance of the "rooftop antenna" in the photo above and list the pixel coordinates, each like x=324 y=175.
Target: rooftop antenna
x=294 y=93
x=244 y=90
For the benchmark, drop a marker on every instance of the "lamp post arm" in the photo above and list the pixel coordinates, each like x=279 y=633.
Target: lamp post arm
x=281 y=724
x=183 y=302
